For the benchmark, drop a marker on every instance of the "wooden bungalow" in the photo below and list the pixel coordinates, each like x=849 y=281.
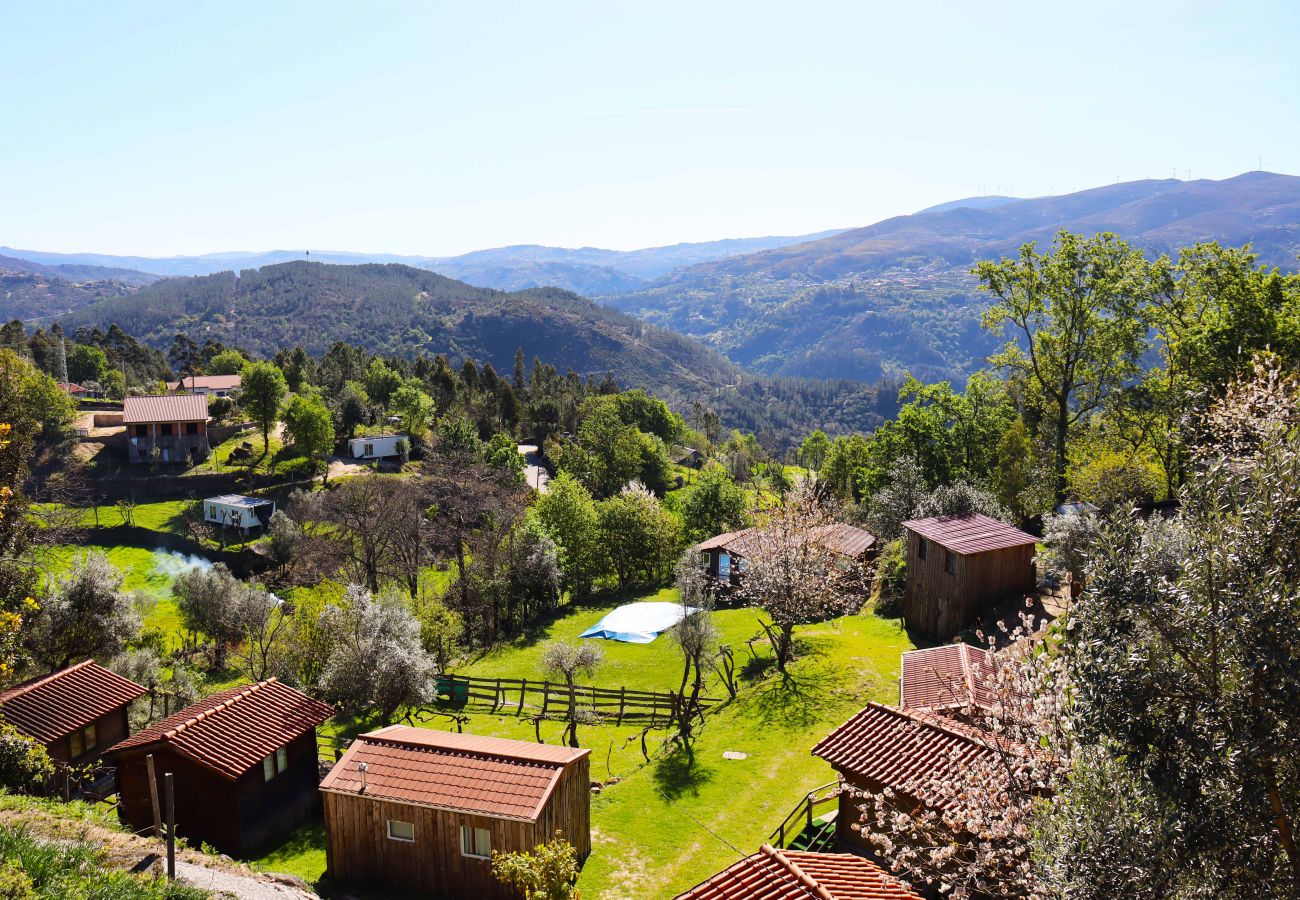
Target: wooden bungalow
x=723 y=557
x=901 y=750
x=424 y=810
x=244 y=763
x=74 y=713
x=774 y=874
x=958 y=566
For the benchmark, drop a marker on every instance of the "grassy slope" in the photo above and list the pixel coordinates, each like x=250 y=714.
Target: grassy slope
x=651 y=823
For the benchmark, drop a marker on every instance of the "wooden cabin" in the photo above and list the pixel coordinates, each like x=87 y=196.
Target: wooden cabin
x=960 y=565
x=723 y=556
x=900 y=750
x=423 y=810
x=244 y=763
x=74 y=713
x=799 y=875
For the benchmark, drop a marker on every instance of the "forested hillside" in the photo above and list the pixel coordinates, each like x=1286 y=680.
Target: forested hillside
x=898 y=295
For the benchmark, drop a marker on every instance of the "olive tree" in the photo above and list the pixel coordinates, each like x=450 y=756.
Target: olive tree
x=85 y=614
x=570 y=662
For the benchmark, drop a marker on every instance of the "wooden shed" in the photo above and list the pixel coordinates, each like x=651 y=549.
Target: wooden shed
x=75 y=713
x=424 y=810
x=244 y=763
x=959 y=565
x=724 y=557
x=773 y=874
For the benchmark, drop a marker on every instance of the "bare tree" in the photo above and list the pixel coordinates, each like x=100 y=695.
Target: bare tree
x=695 y=636
x=792 y=575
x=570 y=662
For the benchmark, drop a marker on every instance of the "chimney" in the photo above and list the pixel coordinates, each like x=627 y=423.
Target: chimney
x=363 y=769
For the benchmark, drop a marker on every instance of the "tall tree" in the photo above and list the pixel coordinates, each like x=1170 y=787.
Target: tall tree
x=185 y=356
x=261 y=394
x=1076 y=328
x=311 y=427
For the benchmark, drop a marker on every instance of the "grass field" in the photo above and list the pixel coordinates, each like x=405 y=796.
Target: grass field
x=160 y=515
x=661 y=826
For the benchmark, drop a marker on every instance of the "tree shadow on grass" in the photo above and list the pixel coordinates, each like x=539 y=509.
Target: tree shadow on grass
x=680 y=774
x=806 y=695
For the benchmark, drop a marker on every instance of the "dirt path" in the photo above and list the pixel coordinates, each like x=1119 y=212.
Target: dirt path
x=243 y=886
x=535 y=474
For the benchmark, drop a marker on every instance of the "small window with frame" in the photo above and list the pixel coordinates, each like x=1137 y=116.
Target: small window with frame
x=475 y=842
x=949 y=562
x=401 y=831
x=921 y=547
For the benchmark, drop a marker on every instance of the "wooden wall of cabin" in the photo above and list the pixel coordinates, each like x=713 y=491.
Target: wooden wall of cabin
x=359 y=850
x=269 y=810
x=569 y=810
x=939 y=603
x=205 y=801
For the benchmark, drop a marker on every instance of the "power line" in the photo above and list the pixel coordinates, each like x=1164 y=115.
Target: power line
x=719 y=837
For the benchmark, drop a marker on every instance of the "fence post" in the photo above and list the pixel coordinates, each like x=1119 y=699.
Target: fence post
x=546 y=696
x=153 y=795
x=170 y=789
x=523 y=689
x=496 y=699
x=622 y=702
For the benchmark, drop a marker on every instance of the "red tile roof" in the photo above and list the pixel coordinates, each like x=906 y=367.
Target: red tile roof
x=970 y=533
x=52 y=706
x=174 y=408
x=70 y=387
x=903 y=750
x=210 y=382
x=463 y=772
x=772 y=874
x=234 y=730
x=839 y=538
x=954 y=675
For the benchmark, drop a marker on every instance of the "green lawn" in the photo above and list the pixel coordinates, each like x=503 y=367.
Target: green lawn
x=161 y=515
x=651 y=823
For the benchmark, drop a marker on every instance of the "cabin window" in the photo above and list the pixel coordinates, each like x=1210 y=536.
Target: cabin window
x=274 y=764
x=401 y=831
x=83 y=740
x=704 y=560
x=165 y=429
x=212 y=512
x=920 y=548
x=191 y=427
x=142 y=431
x=368 y=450
x=475 y=842
x=949 y=562
x=742 y=565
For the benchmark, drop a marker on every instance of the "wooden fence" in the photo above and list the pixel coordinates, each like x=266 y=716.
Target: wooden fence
x=549 y=699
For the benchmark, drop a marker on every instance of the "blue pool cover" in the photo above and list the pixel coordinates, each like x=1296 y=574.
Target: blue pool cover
x=638 y=623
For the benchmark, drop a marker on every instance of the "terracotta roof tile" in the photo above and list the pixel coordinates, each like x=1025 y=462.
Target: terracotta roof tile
x=954 y=675
x=52 y=706
x=970 y=533
x=422 y=766
x=234 y=730
x=902 y=750
x=772 y=874
x=173 y=408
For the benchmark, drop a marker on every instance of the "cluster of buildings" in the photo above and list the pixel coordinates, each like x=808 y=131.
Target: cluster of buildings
x=424 y=810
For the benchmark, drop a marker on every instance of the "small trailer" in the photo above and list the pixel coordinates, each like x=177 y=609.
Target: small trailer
x=238 y=511
x=380 y=446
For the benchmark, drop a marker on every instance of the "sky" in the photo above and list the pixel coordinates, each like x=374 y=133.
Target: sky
x=437 y=128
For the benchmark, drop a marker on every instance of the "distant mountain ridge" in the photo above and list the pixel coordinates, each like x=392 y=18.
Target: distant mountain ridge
x=584 y=270
x=897 y=295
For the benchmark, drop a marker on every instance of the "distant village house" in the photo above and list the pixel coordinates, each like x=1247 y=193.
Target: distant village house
x=381 y=446
x=238 y=511
x=424 y=810
x=175 y=425
x=957 y=566
x=75 y=713
x=214 y=385
x=244 y=762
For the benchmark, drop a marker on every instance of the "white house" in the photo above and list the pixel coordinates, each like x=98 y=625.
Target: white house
x=216 y=385
x=238 y=511
x=379 y=446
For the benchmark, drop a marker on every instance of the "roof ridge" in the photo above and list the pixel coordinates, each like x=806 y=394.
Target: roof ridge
x=805 y=880
x=939 y=723
x=223 y=705
x=20 y=689
x=380 y=738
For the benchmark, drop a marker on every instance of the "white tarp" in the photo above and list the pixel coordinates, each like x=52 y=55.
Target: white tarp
x=639 y=623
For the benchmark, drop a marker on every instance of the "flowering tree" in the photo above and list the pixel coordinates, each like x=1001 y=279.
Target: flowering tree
x=792 y=575
x=968 y=825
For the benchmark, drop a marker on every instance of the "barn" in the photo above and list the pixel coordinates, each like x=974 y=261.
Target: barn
x=773 y=874
x=244 y=763
x=419 y=809
x=74 y=713
x=960 y=565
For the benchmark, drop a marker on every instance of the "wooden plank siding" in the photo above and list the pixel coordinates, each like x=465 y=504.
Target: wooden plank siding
x=946 y=591
x=358 y=848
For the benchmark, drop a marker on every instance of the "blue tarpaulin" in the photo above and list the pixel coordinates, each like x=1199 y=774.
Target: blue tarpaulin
x=638 y=623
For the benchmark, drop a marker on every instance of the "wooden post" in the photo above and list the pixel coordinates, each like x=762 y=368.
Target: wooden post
x=67 y=788
x=523 y=688
x=497 y=700
x=546 y=696
x=153 y=795
x=622 y=702
x=170 y=790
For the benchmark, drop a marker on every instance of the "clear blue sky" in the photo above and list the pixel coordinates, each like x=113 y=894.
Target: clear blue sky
x=436 y=128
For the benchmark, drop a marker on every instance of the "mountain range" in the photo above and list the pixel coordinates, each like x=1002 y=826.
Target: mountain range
x=898 y=295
